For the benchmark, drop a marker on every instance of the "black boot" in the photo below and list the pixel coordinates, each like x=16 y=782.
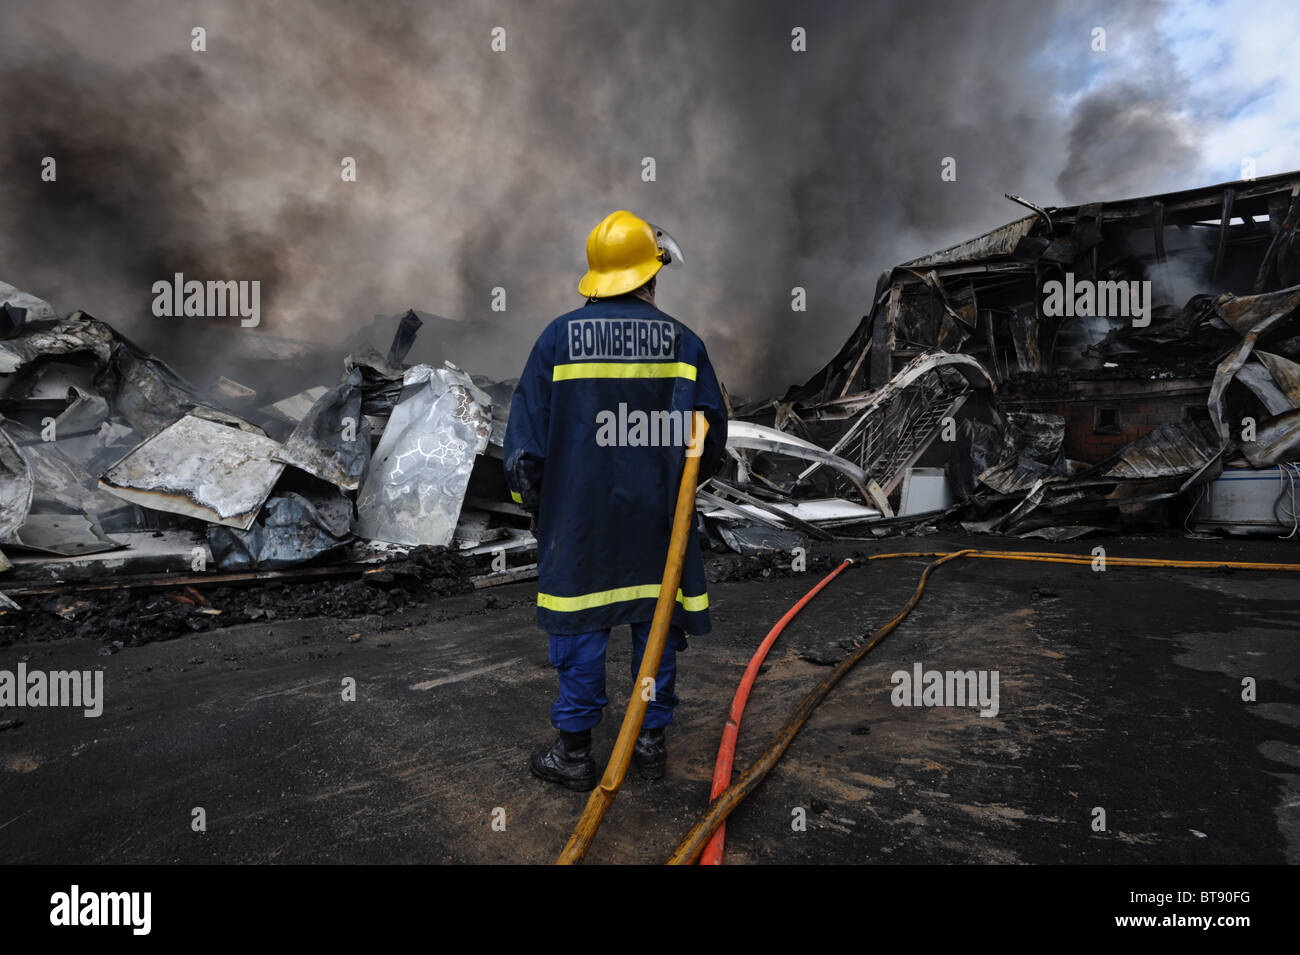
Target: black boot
x=567 y=761
x=651 y=754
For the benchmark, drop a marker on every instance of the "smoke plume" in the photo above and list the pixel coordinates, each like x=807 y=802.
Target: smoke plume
x=479 y=169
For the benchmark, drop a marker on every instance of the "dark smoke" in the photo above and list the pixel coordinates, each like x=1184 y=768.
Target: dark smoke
x=1122 y=139
x=479 y=169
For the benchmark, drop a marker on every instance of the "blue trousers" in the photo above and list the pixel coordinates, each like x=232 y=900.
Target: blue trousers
x=579 y=660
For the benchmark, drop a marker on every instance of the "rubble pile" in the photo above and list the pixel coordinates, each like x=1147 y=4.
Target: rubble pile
x=110 y=461
x=771 y=562
x=1116 y=364
x=124 y=617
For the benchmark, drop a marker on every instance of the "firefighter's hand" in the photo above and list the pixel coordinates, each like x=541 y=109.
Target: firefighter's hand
x=532 y=524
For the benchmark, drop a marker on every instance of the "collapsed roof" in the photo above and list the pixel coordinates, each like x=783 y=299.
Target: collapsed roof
x=1180 y=358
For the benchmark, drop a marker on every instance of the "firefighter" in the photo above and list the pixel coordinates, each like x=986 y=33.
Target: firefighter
x=594 y=451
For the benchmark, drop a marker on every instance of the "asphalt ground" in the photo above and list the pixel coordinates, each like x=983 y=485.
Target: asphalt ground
x=1121 y=733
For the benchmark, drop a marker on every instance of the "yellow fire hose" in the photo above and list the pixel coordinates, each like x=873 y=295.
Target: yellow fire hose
x=683 y=523
x=693 y=843
x=1042 y=557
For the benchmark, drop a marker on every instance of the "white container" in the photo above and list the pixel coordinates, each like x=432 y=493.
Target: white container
x=924 y=490
x=1250 y=501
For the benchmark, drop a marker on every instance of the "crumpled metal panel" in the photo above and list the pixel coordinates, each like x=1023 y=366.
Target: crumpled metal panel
x=148 y=395
x=85 y=412
x=46 y=339
x=1024 y=335
x=1247 y=313
x=942 y=363
x=1018 y=474
x=291 y=529
x=1000 y=241
x=416 y=484
x=757 y=437
x=36 y=309
x=745 y=434
x=324 y=445
x=1277 y=439
x=66 y=506
x=403 y=338
x=1257 y=378
x=48 y=379
x=1067 y=532
x=1285 y=373
x=381 y=382
x=830 y=511
x=978 y=448
x=199 y=468
x=1251 y=316
x=761 y=540
x=500 y=393
x=294 y=408
x=68 y=535
x=1031 y=453
x=88 y=435
x=15 y=487
x=1170 y=450
x=1033 y=498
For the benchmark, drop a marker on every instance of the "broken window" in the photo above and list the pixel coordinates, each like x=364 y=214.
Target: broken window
x=1106 y=421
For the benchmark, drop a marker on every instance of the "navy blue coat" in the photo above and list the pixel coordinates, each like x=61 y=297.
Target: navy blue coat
x=591 y=451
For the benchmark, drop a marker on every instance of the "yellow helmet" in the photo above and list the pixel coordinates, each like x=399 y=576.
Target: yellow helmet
x=622 y=254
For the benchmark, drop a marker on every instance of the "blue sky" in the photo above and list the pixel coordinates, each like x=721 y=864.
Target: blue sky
x=1228 y=71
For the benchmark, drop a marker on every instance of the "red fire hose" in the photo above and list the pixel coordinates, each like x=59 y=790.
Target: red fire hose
x=712 y=854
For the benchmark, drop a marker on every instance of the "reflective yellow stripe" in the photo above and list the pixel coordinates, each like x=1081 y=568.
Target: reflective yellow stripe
x=603 y=598
x=516 y=497
x=619 y=369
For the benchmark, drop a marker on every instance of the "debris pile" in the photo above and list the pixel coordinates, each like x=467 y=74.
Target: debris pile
x=145 y=610
x=1109 y=365
x=106 y=450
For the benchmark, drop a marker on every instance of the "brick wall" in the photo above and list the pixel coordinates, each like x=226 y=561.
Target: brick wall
x=1138 y=407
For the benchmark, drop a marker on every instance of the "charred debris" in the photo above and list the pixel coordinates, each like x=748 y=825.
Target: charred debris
x=1102 y=367
x=134 y=505
x=1108 y=366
